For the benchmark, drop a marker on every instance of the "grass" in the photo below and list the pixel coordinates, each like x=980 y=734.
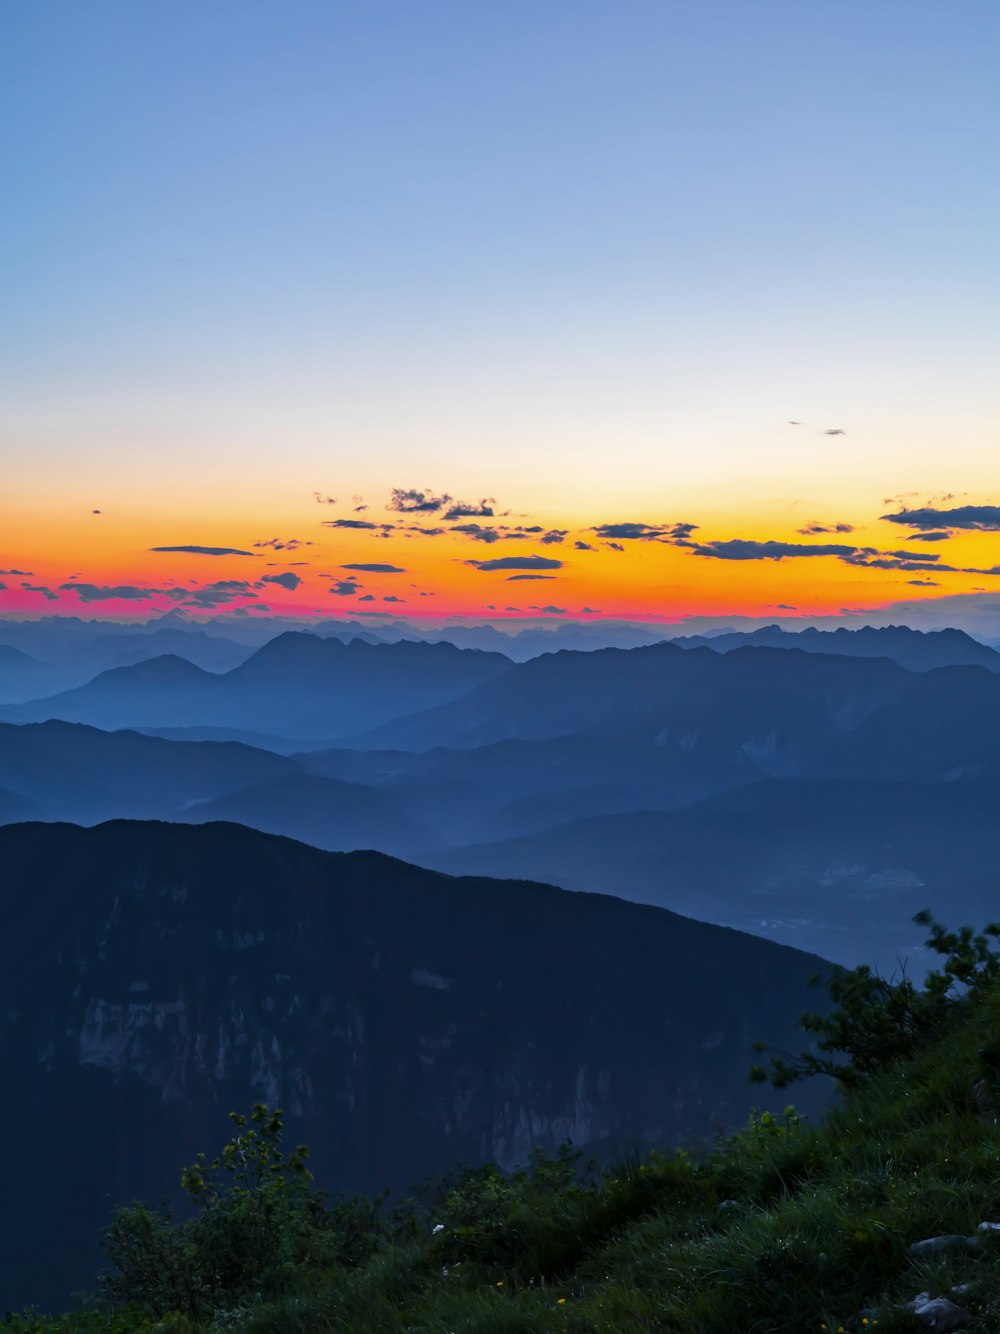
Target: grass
x=784 y=1228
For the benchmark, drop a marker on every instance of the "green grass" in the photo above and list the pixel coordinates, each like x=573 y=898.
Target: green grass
x=785 y=1228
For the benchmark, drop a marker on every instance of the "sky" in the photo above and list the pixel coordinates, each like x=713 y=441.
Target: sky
x=674 y=309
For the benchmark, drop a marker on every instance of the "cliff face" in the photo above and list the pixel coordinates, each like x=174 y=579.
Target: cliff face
x=152 y=977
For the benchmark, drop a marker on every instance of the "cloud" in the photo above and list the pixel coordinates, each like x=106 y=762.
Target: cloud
x=463 y=509
x=324 y=500
x=590 y=611
x=104 y=593
x=292 y=544
x=517 y=563
x=348 y=523
x=924 y=583
x=367 y=597
x=835 y=430
x=645 y=532
x=480 y=534
x=583 y=546
x=206 y=551
x=550 y=610
x=416 y=502
x=738 y=548
x=978 y=518
x=3 y=587
x=628 y=532
x=513 y=578
x=393 y=598
x=21 y=574
x=219 y=593
x=615 y=546
x=45 y=592
x=287 y=580
x=928 y=537
x=814 y=529
x=554 y=535
x=345 y=588
x=374 y=568
x=423 y=532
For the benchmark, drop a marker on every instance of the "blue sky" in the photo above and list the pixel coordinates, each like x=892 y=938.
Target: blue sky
x=570 y=251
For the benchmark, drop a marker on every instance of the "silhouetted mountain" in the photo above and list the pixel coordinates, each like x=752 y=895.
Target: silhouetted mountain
x=834 y=866
x=296 y=685
x=916 y=650
x=152 y=977
x=775 y=706
x=513 y=787
x=71 y=772
x=326 y=812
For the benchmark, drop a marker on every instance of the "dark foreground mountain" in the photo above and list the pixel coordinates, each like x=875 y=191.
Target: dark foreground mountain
x=152 y=977
x=297 y=685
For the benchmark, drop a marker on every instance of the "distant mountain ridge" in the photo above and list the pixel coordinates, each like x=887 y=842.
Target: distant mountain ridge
x=916 y=650
x=296 y=685
x=153 y=977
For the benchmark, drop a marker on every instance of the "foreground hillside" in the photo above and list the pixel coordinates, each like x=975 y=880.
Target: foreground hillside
x=884 y=1215
x=154 y=976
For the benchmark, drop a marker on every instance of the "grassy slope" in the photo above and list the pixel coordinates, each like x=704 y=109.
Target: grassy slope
x=786 y=1228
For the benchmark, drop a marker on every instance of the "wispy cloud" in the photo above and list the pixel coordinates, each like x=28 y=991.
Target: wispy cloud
x=464 y=509
x=374 y=567
x=205 y=551
x=978 y=518
x=517 y=563
x=411 y=501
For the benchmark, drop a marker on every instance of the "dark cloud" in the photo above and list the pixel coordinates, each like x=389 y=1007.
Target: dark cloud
x=374 y=568
x=343 y=588
x=583 y=546
x=3 y=586
x=367 y=597
x=96 y=593
x=554 y=535
x=276 y=544
x=424 y=532
x=590 y=611
x=324 y=500
x=615 y=546
x=514 y=578
x=815 y=529
x=517 y=563
x=348 y=523
x=742 y=549
x=645 y=532
x=392 y=598
x=21 y=574
x=978 y=518
x=835 y=430
x=924 y=583
x=463 y=509
x=628 y=532
x=550 y=610
x=45 y=592
x=928 y=537
x=416 y=502
x=95 y=511
x=206 y=551
x=287 y=580
x=478 y=533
